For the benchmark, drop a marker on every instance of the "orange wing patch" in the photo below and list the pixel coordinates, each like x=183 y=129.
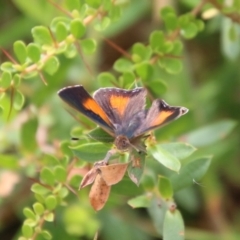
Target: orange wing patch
x=119 y=103
x=91 y=105
x=163 y=115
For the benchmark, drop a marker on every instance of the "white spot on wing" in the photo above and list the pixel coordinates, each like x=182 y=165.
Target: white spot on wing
x=74 y=86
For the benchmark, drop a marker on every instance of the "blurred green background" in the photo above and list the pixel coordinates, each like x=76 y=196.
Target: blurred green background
x=209 y=85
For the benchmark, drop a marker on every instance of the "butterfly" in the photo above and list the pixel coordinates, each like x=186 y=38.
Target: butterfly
x=121 y=113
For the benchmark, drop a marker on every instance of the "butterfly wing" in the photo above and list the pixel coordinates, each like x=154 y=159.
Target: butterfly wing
x=159 y=114
x=122 y=106
x=79 y=99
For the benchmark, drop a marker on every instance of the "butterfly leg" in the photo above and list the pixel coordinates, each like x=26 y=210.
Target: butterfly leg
x=108 y=155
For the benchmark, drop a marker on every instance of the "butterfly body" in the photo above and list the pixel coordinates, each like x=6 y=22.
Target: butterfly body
x=121 y=112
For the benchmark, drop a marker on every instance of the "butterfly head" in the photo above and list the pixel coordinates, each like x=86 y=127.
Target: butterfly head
x=122 y=143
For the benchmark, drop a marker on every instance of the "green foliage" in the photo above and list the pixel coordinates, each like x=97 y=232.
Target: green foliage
x=88 y=46
x=123 y=65
x=33 y=145
x=51 y=65
x=28 y=131
x=165 y=188
x=173 y=226
x=98 y=151
x=165 y=158
x=34 y=52
x=77 y=28
x=47 y=176
x=20 y=51
x=193 y=171
x=139 y=201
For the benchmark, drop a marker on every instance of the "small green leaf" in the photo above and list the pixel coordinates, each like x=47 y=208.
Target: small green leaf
x=61 y=31
x=127 y=79
x=38 y=208
x=165 y=158
x=157 y=40
x=39 y=189
x=65 y=148
x=29 y=213
x=33 y=52
x=148 y=180
x=51 y=202
x=17 y=80
x=60 y=173
x=42 y=35
x=71 y=51
x=230 y=38
x=27 y=231
x=106 y=79
x=8 y=67
x=166 y=10
x=49 y=217
x=18 y=100
x=136 y=58
x=190 y=173
x=51 y=65
x=57 y=20
x=20 y=51
x=177 y=48
x=63 y=192
x=144 y=70
x=143 y=52
x=46 y=235
x=178 y=149
x=123 y=65
x=90 y=152
x=173 y=226
x=165 y=187
x=142 y=201
x=100 y=26
x=100 y=135
x=89 y=46
x=46 y=175
x=171 y=21
x=77 y=28
x=49 y=160
x=171 y=65
x=39 y=198
x=31 y=222
x=200 y=24
x=28 y=135
x=6 y=79
x=184 y=20
x=189 y=31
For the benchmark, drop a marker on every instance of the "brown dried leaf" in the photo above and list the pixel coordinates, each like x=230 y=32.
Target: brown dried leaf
x=113 y=173
x=99 y=193
x=89 y=178
x=91 y=175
